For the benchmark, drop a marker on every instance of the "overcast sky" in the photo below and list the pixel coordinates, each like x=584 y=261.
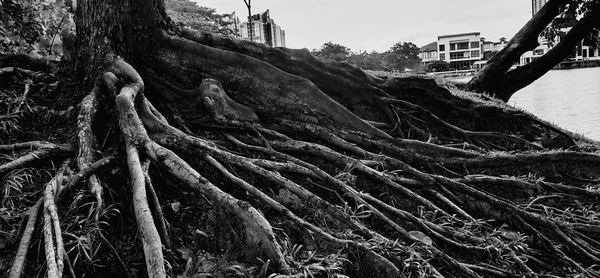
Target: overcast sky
x=381 y=23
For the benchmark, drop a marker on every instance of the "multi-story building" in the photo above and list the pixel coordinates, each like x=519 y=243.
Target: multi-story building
x=460 y=50
x=234 y=25
x=587 y=53
x=258 y=32
x=581 y=53
x=536 y=5
x=489 y=46
x=428 y=53
x=264 y=30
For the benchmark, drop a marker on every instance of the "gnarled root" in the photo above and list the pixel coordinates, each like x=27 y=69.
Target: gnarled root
x=44 y=151
x=471 y=136
x=17 y=268
x=259 y=233
x=323 y=175
x=51 y=230
x=86 y=141
x=155 y=207
x=54 y=245
x=258 y=229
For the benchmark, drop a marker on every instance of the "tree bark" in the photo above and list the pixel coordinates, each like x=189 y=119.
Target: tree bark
x=124 y=27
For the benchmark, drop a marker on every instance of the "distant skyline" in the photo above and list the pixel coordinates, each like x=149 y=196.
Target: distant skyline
x=380 y=24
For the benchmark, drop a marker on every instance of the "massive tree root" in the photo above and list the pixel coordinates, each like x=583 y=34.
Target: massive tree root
x=263 y=136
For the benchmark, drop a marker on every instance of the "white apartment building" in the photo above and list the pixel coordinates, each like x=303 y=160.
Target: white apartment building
x=278 y=36
x=489 y=46
x=588 y=53
x=264 y=30
x=543 y=48
x=460 y=50
x=258 y=31
x=581 y=52
x=235 y=24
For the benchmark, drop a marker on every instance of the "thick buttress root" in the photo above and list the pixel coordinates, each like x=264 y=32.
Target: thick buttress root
x=259 y=231
x=392 y=206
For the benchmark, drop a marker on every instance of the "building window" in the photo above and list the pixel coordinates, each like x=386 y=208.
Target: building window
x=475 y=45
x=459 y=46
x=442 y=47
x=463 y=45
x=459 y=55
x=442 y=56
x=475 y=54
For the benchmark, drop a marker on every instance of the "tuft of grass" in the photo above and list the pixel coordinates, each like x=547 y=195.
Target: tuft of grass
x=13 y=184
x=84 y=234
x=308 y=263
x=207 y=265
x=359 y=212
x=9 y=118
x=9 y=124
x=412 y=264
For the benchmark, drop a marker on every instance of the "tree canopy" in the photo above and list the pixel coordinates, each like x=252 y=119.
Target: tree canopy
x=34 y=26
x=403 y=55
x=332 y=51
x=400 y=56
x=191 y=15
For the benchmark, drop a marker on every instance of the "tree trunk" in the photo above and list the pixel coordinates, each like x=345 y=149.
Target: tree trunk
x=126 y=28
x=250 y=26
x=521 y=77
x=490 y=77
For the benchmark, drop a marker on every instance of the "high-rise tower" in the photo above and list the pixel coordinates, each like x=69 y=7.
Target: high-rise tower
x=264 y=30
x=536 y=5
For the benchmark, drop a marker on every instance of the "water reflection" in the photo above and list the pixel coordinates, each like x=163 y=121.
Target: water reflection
x=568 y=98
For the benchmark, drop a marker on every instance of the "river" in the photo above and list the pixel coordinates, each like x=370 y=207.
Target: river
x=567 y=98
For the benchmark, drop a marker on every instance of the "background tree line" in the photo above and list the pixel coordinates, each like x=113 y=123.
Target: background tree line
x=401 y=56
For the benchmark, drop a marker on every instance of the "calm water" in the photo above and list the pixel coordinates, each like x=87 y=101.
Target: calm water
x=568 y=98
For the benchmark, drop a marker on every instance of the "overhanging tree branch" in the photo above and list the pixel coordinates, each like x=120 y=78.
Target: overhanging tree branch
x=521 y=77
x=526 y=39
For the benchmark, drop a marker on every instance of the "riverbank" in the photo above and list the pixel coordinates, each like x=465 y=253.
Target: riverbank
x=578 y=64
x=568 y=98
